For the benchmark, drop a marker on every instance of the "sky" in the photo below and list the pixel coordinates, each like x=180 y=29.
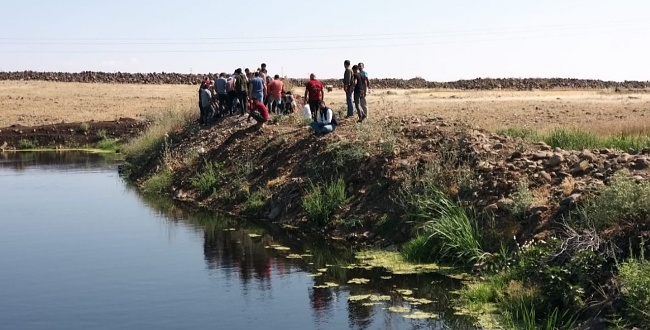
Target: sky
x=435 y=40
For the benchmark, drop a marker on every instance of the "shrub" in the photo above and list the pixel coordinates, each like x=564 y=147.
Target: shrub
x=158 y=182
x=84 y=127
x=320 y=202
x=623 y=200
x=26 y=144
x=634 y=276
x=209 y=178
x=521 y=200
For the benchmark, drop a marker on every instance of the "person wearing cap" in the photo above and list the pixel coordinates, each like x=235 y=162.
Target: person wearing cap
x=259 y=112
x=314 y=94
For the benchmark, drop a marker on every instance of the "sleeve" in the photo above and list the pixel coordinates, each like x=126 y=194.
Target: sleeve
x=328 y=120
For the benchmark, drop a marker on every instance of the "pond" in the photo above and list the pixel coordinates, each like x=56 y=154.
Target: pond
x=81 y=249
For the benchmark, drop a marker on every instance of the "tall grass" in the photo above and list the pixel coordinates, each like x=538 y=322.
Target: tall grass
x=162 y=125
x=451 y=233
x=321 y=201
x=577 y=139
x=25 y=144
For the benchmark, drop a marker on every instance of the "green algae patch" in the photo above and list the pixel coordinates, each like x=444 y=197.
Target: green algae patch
x=359 y=281
x=418 y=301
x=294 y=256
x=399 y=309
x=379 y=298
x=395 y=263
x=404 y=292
x=315 y=275
x=421 y=315
x=326 y=285
x=359 y=297
x=254 y=235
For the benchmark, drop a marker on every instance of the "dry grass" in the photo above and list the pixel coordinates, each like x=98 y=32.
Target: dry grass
x=601 y=112
x=568 y=185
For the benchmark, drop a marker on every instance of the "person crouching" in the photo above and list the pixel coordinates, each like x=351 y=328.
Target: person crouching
x=259 y=112
x=325 y=120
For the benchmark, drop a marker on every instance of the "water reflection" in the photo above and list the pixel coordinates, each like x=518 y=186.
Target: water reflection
x=56 y=160
x=245 y=250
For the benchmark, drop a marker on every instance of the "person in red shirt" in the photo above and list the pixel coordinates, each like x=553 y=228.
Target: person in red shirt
x=314 y=94
x=259 y=112
x=275 y=89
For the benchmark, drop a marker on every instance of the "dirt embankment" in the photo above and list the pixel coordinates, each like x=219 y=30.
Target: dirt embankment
x=69 y=135
x=473 y=84
x=285 y=159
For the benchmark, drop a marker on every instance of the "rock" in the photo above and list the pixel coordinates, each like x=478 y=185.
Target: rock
x=568 y=201
x=555 y=160
x=640 y=164
x=547 y=177
x=586 y=155
x=498 y=146
x=275 y=212
x=516 y=154
x=541 y=155
x=503 y=203
x=538 y=209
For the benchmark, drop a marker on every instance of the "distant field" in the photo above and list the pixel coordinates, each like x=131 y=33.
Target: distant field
x=602 y=111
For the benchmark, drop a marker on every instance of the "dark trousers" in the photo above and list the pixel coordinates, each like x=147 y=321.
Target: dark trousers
x=313 y=107
x=222 y=102
x=258 y=117
x=243 y=101
x=206 y=112
x=232 y=95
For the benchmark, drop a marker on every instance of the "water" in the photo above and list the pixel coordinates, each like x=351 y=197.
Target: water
x=79 y=249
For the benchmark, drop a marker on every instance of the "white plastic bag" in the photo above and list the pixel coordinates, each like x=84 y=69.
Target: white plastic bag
x=306 y=112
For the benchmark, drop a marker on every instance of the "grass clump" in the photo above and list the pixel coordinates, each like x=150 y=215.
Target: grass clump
x=255 y=203
x=623 y=201
x=158 y=182
x=321 y=201
x=107 y=144
x=449 y=233
x=158 y=134
x=208 y=178
x=84 y=127
x=634 y=277
x=26 y=144
x=577 y=139
x=521 y=200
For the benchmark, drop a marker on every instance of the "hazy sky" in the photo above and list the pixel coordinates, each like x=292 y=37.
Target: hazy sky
x=436 y=40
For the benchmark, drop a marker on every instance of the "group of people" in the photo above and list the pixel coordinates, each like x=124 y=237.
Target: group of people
x=259 y=94
x=241 y=92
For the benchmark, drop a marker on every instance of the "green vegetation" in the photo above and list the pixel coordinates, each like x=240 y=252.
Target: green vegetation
x=158 y=182
x=256 y=201
x=634 y=275
x=321 y=201
x=107 y=144
x=158 y=135
x=207 y=180
x=522 y=200
x=576 y=139
x=623 y=201
x=25 y=144
x=84 y=127
x=448 y=234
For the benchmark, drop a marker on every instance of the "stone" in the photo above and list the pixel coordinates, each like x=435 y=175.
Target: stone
x=275 y=212
x=541 y=155
x=538 y=209
x=640 y=164
x=547 y=177
x=498 y=146
x=586 y=155
x=568 y=201
x=555 y=160
x=516 y=154
x=503 y=203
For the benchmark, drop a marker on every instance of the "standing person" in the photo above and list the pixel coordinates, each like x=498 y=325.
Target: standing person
x=249 y=75
x=242 y=90
x=206 y=104
x=364 y=74
x=232 y=93
x=348 y=88
x=360 y=94
x=222 y=93
x=314 y=94
x=259 y=112
x=326 y=121
x=257 y=87
x=275 y=89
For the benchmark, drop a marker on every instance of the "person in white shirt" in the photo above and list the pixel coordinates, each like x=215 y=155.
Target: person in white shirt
x=325 y=120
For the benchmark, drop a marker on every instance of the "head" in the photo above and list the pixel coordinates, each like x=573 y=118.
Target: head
x=247 y=71
x=361 y=66
x=263 y=66
x=238 y=71
x=346 y=64
x=257 y=73
x=254 y=99
x=323 y=105
x=355 y=68
x=221 y=75
x=312 y=76
x=276 y=77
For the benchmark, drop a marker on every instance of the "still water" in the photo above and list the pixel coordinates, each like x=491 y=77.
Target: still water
x=80 y=249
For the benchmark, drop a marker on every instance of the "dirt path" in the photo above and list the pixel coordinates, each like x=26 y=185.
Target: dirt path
x=39 y=103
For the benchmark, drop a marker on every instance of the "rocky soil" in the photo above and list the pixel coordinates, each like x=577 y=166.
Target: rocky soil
x=283 y=156
x=71 y=134
x=473 y=84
